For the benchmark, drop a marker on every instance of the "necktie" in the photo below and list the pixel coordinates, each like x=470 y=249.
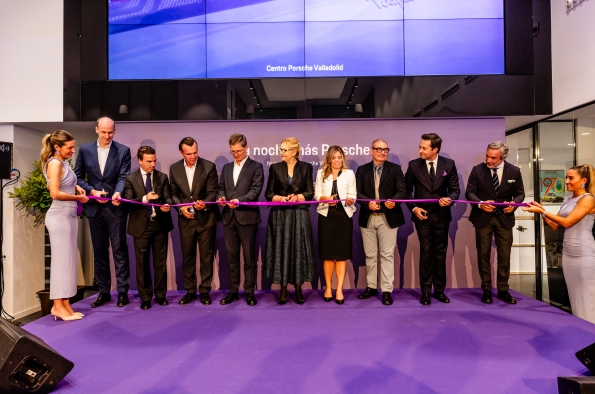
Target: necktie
x=432 y=171
x=495 y=180
x=376 y=182
x=149 y=189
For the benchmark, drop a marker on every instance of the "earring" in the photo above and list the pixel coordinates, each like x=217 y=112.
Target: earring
x=582 y=185
x=57 y=152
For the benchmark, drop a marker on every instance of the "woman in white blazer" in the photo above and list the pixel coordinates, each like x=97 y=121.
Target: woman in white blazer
x=335 y=181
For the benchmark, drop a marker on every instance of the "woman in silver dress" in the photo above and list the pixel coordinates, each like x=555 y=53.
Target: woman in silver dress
x=576 y=215
x=61 y=220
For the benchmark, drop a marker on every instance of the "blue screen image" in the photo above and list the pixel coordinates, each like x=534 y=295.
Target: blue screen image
x=178 y=39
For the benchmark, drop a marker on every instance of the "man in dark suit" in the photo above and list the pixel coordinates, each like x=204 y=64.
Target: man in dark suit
x=241 y=181
x=432 y=177
x=380 y=179
x=194 y=179
x=149 y=225
x=101 y=168
x=495 y=180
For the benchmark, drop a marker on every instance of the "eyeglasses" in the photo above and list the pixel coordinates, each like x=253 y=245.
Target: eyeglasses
x=381 y=150
x=284 y=150
x=236 y=152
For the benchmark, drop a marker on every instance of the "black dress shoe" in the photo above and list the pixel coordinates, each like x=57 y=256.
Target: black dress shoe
x=506 y=297
x=369 y=292
x=188 y=298
x=281 y=301
x=161 y=301
x=486 y=298
x=205 y=298
x=101 y=299
x=425 y=299
x=145 y=305
x=251 y=300
x=387 y=299
x=228 y=299
x=122 y=299
x=440 y=296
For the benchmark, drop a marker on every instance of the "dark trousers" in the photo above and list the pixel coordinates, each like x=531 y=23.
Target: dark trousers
x=483 y=241
x=433 y=243
x=244 y=236
x=190 y=235
x=108 y=228
x=157 y=239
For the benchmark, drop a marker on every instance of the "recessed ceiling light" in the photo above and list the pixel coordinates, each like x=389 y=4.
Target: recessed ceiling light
x=585 y=133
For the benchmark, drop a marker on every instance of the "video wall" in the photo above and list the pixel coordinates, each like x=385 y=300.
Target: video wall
x=177 y=39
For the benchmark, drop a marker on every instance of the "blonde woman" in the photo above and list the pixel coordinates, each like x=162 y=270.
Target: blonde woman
x=289 y=255
x=335 y=181
x=576 y=215
x=61 y=220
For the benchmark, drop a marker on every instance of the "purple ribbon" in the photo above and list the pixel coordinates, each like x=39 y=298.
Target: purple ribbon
x=279 y=203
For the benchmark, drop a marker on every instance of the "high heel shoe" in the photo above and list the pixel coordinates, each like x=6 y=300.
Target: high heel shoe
x=79 y=313
x=340 y=302
x=299 y=297
x=66 y=318
x=327 y=299
x=282 y=300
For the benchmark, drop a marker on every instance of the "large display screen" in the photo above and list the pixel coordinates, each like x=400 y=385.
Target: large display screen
x=178 y=39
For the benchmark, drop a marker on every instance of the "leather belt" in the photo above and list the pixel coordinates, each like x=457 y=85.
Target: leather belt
x=377 y=213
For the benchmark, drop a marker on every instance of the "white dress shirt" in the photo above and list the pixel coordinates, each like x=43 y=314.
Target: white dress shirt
x=144 y=174
x=499 y=171
x=237 y=168
x=435 y=161
x=102 y=154
x=190 y=174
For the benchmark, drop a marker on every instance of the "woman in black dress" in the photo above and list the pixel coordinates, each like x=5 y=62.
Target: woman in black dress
x=289 y=256
x=335 y=181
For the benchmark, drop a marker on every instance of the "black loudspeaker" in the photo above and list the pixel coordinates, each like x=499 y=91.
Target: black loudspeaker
x=587 y=357
x=576 y=385
x=28 y=364
x=5 y=160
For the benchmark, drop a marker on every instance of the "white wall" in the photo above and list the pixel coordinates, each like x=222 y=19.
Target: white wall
x=573 y=54
x=23 y=244
x=31 y=60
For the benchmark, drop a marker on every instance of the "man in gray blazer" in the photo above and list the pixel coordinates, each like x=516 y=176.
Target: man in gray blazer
x=194 y=179
x=241 y=181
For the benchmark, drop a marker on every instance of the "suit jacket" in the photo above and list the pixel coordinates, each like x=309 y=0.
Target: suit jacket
x=392 y=186
x=345 y=187
x=204 y=188
x=481 y=188
x=278 y=183
x=134 y=189
x=445 y=184
x=89 y=177
x=247 y=189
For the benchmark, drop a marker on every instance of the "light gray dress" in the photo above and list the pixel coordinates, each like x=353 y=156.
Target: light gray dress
x=578 y=262
x=62 y=225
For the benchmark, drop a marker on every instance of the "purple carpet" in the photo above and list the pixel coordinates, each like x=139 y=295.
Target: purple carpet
x=359 y=347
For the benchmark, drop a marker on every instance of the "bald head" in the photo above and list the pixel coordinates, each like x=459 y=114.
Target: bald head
x=105 y=129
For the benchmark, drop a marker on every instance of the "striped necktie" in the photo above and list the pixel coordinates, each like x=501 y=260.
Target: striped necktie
x=495 y=179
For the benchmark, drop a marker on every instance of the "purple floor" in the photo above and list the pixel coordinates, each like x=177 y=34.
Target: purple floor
x=359 y=347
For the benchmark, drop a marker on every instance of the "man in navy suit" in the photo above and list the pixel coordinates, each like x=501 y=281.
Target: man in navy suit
x=194 y=179
x=495 y=180
x=101 y=169
x=432 y=177
x=241 y=181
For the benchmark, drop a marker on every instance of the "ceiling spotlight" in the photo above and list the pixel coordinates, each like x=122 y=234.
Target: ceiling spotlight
x=355 y=86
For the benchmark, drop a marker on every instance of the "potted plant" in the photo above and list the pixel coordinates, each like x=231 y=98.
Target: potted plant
x=34 y=197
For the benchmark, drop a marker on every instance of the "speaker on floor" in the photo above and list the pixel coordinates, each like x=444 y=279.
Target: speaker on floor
x=587 y=357
x=576 y=385
x=28 y=364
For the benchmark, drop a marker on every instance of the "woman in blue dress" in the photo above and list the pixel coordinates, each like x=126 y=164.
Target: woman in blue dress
x=576 y=215
x=61 y=220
